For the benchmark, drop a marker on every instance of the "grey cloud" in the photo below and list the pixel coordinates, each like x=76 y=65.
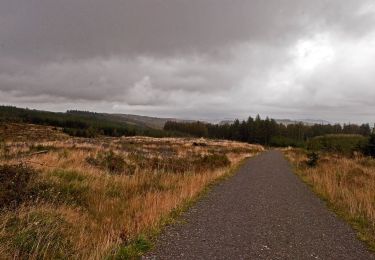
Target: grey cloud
x=87 y=28
x=191 y=58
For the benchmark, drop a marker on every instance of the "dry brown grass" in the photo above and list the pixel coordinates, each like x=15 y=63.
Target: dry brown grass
x=23 y=132
x=80 y=210
x=348 y=185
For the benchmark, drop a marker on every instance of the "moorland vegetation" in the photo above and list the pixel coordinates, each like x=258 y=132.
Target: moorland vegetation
x=99 y=198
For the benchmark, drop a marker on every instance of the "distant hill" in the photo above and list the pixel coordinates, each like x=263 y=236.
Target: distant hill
x=303 y=121
x=79 y=123
x=90 y=124
x=126 y=123
x=147 y=121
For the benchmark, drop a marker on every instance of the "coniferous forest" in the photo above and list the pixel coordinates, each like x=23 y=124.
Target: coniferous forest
x=266 y=131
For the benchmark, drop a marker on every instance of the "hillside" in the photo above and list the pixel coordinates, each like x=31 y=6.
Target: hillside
x=80 y=123
x=152 y=122
x=135 y=123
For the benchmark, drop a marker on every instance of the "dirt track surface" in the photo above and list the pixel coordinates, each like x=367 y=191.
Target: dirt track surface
x=263 y=212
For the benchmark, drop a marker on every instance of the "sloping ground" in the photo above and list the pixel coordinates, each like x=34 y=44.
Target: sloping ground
x=25 y=132
x=153 y=122
x=264 y=212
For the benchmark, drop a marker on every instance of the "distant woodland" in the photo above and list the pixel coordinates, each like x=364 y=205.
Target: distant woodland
x=78 y=123
x=345 y=138
x=253 y=130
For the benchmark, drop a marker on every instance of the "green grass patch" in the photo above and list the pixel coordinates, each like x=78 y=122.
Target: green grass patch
x=134 y=250
x=62 y=187
x=68 y=175
x=38 y=235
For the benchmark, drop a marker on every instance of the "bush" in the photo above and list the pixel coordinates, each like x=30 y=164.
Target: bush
x=15 y=184
x=168 y=164
x=281 y=141
x=199 y=144
x=369 y=148
x=113 y=163
x=87 y=133
x=343 y=144
x=312 y=159
x=212 y=161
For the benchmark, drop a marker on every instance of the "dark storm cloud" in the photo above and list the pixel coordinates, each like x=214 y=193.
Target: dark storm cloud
x=87 y=28
x=195 y=58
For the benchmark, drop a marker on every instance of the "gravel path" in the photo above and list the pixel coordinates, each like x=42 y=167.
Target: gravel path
x=263 y=212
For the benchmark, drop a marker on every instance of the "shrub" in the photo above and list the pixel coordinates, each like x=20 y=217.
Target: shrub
x=312 y=159
x=112 y=162
x=15 y=184
x=64 y=153
x=343 y=144
x=212 y=161
x=138 y=158
x=199 y=144
x=168 y=164
x=369 y=148
x=281 y=141
x=87 y=133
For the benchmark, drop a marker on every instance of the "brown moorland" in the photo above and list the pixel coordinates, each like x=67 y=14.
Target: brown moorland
x=99 y=198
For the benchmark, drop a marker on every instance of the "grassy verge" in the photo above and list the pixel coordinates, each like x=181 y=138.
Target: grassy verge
x=347 y=185
x=145 y=242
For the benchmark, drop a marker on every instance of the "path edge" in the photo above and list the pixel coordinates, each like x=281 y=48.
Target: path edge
x=145 y=243
x=357 y=227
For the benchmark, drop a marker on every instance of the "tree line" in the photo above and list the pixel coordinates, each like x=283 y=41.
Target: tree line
x=265 y=131
x=78 y=123
x=253 y=130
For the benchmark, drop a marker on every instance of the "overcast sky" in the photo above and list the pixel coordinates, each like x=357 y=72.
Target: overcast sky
x=199 y=59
